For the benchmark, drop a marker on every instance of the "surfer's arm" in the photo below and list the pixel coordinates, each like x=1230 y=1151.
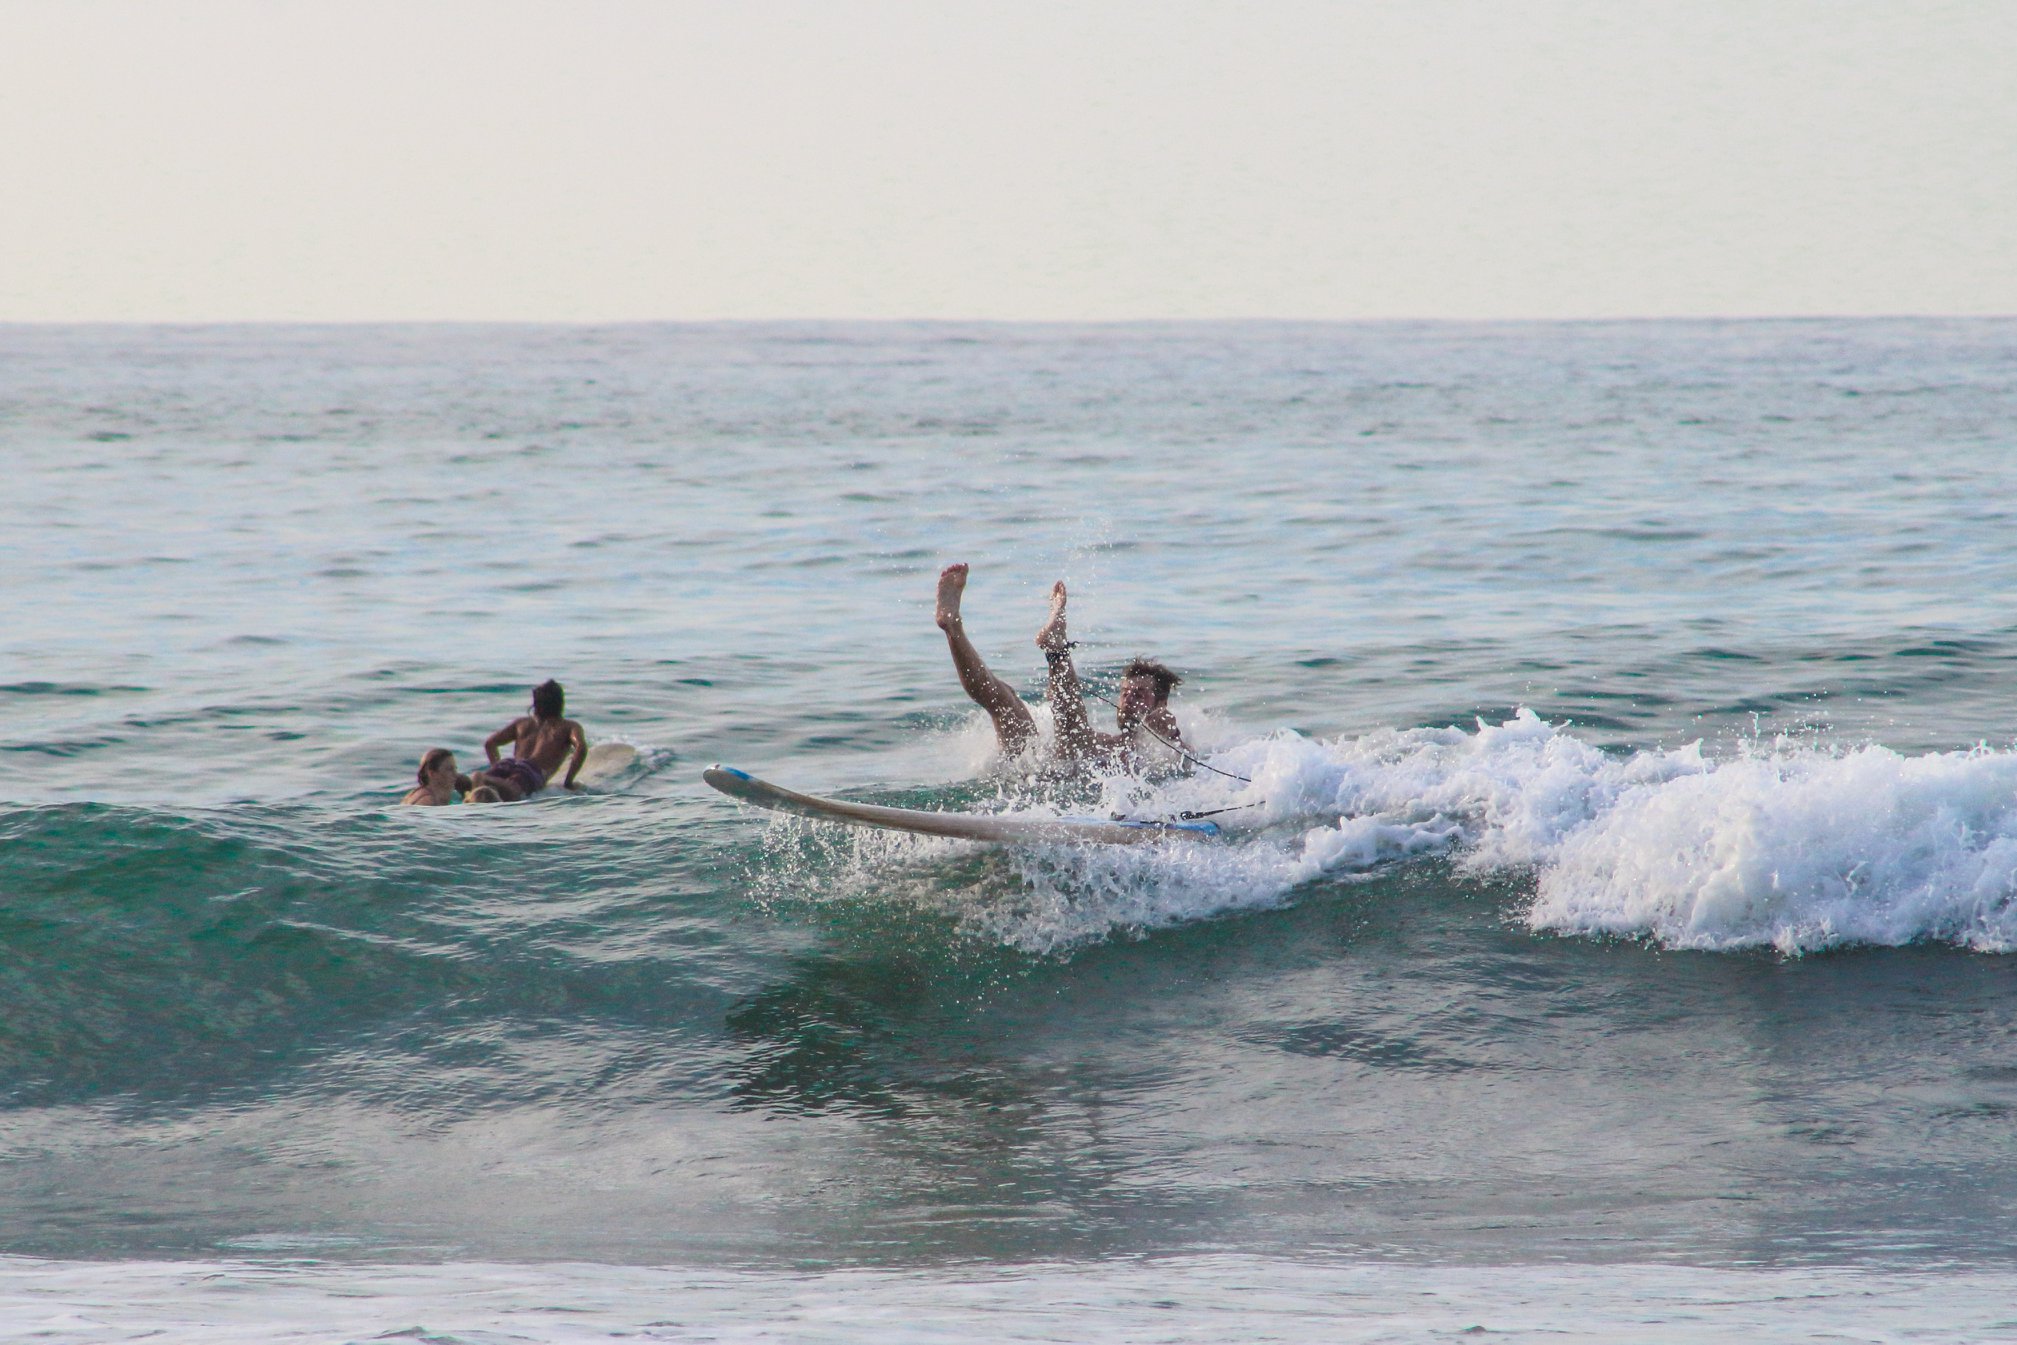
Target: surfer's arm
x=507 y=734
x=580 y=738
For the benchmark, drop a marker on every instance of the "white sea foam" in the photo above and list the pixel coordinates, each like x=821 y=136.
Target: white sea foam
x=1792 y=845
x=1800 y=849
x=1170 y=1299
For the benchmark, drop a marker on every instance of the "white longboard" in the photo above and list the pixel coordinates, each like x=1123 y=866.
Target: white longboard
x=604 y=763
x=999 y=828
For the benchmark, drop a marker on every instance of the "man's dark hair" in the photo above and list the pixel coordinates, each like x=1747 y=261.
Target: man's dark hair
x=548 y=700
x=1148 y=667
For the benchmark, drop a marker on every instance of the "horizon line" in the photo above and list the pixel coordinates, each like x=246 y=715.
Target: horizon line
x=807 y=321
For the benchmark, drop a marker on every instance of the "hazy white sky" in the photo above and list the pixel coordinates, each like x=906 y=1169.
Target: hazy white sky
x=614 y=159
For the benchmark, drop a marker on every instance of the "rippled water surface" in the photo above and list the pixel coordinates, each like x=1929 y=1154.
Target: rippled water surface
x=1624 y=868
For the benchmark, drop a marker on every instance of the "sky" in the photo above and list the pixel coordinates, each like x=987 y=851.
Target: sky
x=597 y=160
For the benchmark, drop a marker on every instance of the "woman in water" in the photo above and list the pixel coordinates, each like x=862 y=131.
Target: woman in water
x=438 y=779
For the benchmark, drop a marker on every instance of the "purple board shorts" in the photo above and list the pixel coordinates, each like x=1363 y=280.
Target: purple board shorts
x=527 y=777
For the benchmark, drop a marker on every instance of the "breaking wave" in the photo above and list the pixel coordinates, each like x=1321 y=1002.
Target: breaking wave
x=1788 y=845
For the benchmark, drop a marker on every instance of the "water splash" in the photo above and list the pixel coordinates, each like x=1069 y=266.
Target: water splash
x=1791 y=845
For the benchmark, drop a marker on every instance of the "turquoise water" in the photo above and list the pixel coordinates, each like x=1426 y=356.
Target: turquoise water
x=1627 y=879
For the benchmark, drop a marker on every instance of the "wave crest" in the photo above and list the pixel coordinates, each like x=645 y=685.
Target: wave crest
x=1795 y=846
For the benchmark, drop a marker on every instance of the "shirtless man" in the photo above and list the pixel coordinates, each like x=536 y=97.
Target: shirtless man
x=1143 y=703
x=540 y=742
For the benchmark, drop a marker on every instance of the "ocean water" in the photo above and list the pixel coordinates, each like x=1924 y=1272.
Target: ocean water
x=1615 y=935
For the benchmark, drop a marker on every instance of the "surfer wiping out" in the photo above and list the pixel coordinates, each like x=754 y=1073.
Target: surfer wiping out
x=1142 y=713
x=1141 y=710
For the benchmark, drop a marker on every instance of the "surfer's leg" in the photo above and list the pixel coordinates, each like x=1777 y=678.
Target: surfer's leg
x=1013 y=726
x=1075 y=736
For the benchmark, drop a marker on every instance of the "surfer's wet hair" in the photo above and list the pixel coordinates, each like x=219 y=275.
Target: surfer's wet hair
x=435 y=756
x=548 y=700
x=1147 y=667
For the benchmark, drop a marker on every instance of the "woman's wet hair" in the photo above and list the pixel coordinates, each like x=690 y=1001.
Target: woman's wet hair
x=435 y=756
x=1147 y=667
x=548 y=700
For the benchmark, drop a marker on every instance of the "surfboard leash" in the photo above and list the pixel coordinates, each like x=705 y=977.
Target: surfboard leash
x=1180 y=751
x=1188 y=815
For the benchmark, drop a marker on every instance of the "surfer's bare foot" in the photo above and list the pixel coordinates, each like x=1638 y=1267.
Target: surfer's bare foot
x=951 y=583
x=1052 y=639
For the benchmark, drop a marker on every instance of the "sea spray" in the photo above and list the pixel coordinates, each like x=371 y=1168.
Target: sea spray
x=1801 y=849
x=1792 y=845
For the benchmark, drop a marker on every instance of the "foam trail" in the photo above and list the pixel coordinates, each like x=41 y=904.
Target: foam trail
x=1800 y=850
x=1791 y=846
